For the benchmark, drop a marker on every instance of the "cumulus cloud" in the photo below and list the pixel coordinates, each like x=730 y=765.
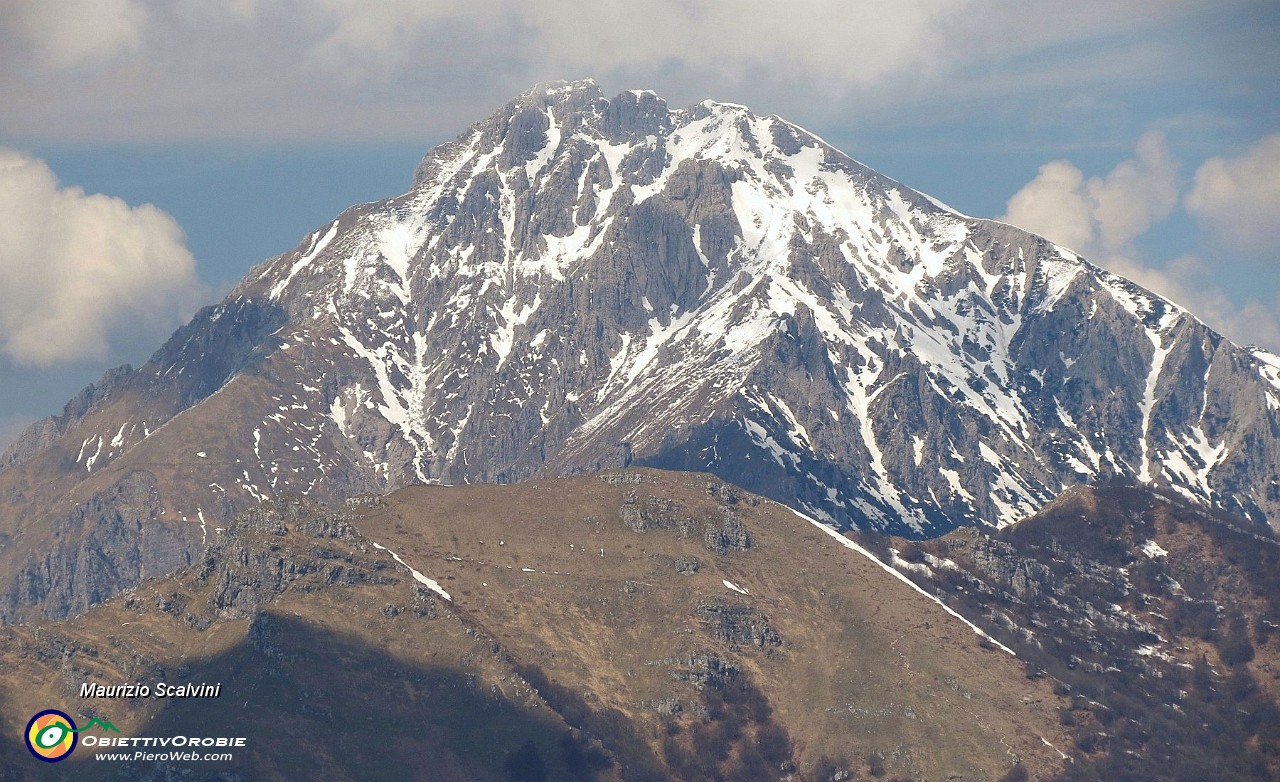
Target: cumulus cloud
x=1238 y=199
x=67 y=33
x=79 y=271
x=1102 y=217
x=1056 y=205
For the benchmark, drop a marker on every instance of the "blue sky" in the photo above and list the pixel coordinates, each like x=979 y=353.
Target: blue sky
x=152 y=151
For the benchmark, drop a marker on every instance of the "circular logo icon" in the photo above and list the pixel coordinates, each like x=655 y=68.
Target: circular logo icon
x=51 y=735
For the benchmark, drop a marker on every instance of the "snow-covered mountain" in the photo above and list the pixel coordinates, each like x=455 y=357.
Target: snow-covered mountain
x=578 y=282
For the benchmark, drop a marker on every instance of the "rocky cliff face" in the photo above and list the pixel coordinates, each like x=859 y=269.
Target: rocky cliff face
x=580 y=282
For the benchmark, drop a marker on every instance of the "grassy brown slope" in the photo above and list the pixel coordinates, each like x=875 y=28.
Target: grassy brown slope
x=637 y=664
x=864 y=666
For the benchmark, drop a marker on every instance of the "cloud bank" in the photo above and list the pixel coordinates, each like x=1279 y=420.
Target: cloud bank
x=79 y=273
x=324 y=69
x=66 y=34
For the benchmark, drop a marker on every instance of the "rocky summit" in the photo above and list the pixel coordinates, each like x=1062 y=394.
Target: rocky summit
x=580 y=282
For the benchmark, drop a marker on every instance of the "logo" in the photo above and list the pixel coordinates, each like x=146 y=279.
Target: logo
x=52 y=735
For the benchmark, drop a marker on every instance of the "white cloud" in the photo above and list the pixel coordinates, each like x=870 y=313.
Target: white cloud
x=840 y=47
x=851 y=43
x=1238 y=199
x=1056 y=205
x=78 y=271
x=366 y=41
x=64 y=34
x=1136 y=194
x=1101 y=217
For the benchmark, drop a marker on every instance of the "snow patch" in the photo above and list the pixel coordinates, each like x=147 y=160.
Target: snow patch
x=421 y=579
x=307 y=257
x=1152 y=550
x=1149 y=402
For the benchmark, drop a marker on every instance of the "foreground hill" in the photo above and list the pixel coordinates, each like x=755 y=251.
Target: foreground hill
x=634 y=625
x=579 y=282
x=1156 y=618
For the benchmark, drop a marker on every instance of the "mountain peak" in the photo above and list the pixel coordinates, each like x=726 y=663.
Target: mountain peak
x=654 y=266
x=550 y=94
x=579 y=282
x=562 y=88
x=725 y=106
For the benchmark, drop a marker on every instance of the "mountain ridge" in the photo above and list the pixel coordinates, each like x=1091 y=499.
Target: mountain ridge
x=578 y=283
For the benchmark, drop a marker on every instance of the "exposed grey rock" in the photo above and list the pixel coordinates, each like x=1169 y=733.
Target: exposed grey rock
x=651 y=513
x=622 y=478
x=703 y=669
x=687 y=565
x=104 y=546
x=250 y=565
x=326 y=526
x=424 y=604
x=737 y=624
x=1025 y=578
x=727 y=534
